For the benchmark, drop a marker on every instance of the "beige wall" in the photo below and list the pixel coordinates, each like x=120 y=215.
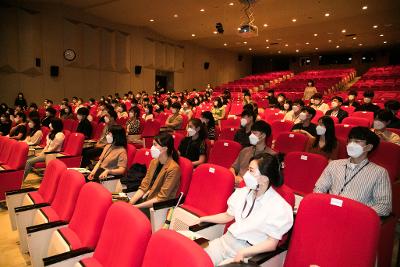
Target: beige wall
x=106 y=56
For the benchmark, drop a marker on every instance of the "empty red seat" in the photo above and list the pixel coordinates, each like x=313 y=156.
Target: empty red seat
x=279 y=127
x=342 y=130
x=177 y=139
x=224 y=153
x=228 y=133
x=230 y=123
x=364 y=114
x=356 y=121
x=288 y=141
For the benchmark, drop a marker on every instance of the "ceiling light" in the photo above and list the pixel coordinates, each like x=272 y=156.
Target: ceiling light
x=294 y=20
x=250 y=49
x=151 y=20
x=327 y=14
x=231 y=3
x=350 y=58
x=316 y=48
x=381 y=35
x=329 y=41
x=238 y=29
x=267 y=47
x=385 y=42
x=215 y=32
x=225 y=44
x=265 y=25
x=245 y=42
x=267 y=40
x=344 y=30
x=286 y=45
x=193 y=35
x=307 y=43
x=279 y=52
x=202 y=10
x=315 y=34
x=297 y=50
x=354 y=38
x=337 y=46
x=375 y=26
x=360 y=44
x=176 y=15
x=364 y=7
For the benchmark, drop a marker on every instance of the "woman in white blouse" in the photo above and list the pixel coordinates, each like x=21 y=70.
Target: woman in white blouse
x=261 y=215
x=35 y=133
x=54 y=142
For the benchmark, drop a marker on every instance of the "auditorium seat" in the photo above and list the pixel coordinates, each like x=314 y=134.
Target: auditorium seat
x=180 y=251
x=279 y=127
x=342 y=130
x=151 y=128
x=227 y=134
x=31 y=195
x=224 y=153
x=289 y=141
x=178 y=137
x=230 y=123
x=364 y=114
x=272 y=117
x=357 y=121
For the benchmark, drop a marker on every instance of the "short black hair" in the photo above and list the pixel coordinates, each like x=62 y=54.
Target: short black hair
x=338 y=98
x=392 y=105
x=262 y=126
x=353 y=92
x=57 y=126
x=219 y=101
x=119 y=135
x=165 y=139
x=136 y=111
x=309 y=110
x=369 y=94
x=248 y=113
x=83 y=111
x=298 y=102
x=176 y=105
x=22 y=116
x=208 y=115
x=384 y=115
x=364 y=133
x=311 y=81
x=92 y=99
x=317 y=96
x=112 y=114
x=269 y=166
x=51 y=110
x=271 y=91
x=33 y=105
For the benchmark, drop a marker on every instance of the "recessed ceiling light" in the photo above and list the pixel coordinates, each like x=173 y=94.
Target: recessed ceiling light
x=265 y=25
x=245 y=42
x=316 y=48
x=279 y=52
x=250 y=49
x=344 y=30
x=286 y=45
x=307 y=43
x=225 y=44
x=354 y=38
x=267 y=40
x=175 y=15
x=360 y=44
x=294 y=20
x=385 y=42
x=297 y=50
x=337 y=46
x=231 y=3
x=238 y=28
x=375 y=26
x=151 y=20
x=202 y=10
x=193 y=35
x=215 y=32
x=315 y=34
x=327 y=14
x=329 y=41
x=267 y=47
x=364 y=7
x=381 y=35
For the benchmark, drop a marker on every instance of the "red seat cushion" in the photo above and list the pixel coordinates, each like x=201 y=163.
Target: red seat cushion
x=50 y=213
x=36 y=197
x=71 y=237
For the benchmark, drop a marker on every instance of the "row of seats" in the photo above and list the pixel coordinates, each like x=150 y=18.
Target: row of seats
x=383 y=79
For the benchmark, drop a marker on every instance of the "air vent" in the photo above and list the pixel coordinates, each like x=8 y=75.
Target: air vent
x=350 y=35
x=273 y=43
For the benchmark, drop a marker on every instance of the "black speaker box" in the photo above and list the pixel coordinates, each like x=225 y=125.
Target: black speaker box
x=240 y=58
x=138 y=69
x=206 y=65
x=54 y=71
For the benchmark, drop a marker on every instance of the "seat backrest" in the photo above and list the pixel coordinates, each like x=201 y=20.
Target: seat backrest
x=302 y=171
x=52 y=174
x=227 y=133
x=74 y=144
x=151 y=128
x=68 y=189
x=90 y=211
x=335 y=119
x=271 y=117
x=280 y=126
x=288 y=141
x=180 y=251
x=186 y=167
x=67 y=133
x=18 y=156
x=124 y=237
x=143 y=156
x=230 y=123
x=7 y=150
x=217 y=181
x=45 y=132
x=177 y=139
x=357 y=121
x=342 y=130
x=224 y=153
x=98 y=131
x=318 y=114
x=333 y=231
x=387 y=155
x=364 y=114
x=131 y=152
x=94 y=127
x=286 y=193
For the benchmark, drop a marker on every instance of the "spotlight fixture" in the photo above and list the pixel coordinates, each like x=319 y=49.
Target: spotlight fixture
x=247 y=28
x=219 y=27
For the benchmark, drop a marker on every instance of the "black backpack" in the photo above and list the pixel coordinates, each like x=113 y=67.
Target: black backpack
x=134 y=177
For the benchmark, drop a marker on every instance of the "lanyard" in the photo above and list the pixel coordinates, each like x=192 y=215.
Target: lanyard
x=346 y=182
x=245 y=204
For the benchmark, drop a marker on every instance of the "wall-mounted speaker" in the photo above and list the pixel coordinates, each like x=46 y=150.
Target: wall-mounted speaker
x=206 y=65
x=138 y=69
x=37 y=62
x=240 y=58
x=54 y=70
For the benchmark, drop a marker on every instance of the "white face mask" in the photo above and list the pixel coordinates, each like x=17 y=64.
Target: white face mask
x=354 y=150
x=51 y=126
x=155 y=152
x=30 y=125
x=321 y=130
x=203 y=120
x=109 y=138
x=296 y=109
x=303 y=116
x=280 y=99
x=253 y=139
x=334 y=104
x=243 y=122
x=250 y=181
x=191 y=132
x=107 y=119
x=378 y=125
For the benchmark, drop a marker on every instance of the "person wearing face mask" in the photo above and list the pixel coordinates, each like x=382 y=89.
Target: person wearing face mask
x=368 y=105
x=35 y=133
x=280 y=100
x=318 y=103
x=174 y=121
x=18 y=132
x=187 y=109
x=305 y=125
x=393 y=106
x=246 y=122
x=247 y=98
x=381 y=121
x=209 y=123
x=33 y=111
x=193 y=147
x=50 y=114
x=325 y=143
x=121 y=111
x=310 y=90
x=352 y=99
x=84 y=125
x=336 y=111
x=260 y=132
x=66 y=112
x=54 y=142
x=5 y=125
x=272 y=100
x=113 y=159
x=148 y=113
x=287 y=107
x=356 y=177
x=133 y=125
x=21 y=101
x=293 y=115
x=162 y=177
x=261 y=216
x=218 y=110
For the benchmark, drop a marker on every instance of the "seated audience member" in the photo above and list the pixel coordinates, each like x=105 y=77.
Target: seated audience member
x=259 y=214
x=33 y=111
x=187 y=109
x=281 y=100
x=5 y=124
x=54 y=143
x=260 y=131
x=113 y=160
x=21 y=101
x=272 y=101
x=50 y=114
x=382 y=119
x=194 y=147
x=247 y=98
x=92 y=153
x=293 y=115
x=287 y=106
x=209 y=123
x=133 y=125
x=336 y=110
x=18 y=132
x=66 y=112
x=393 y=106
x=174 y=121
x=84 y=125
x=148 y=113
x=325 y=143
x=305 y=125
x=318 y=103
x=310 y=90
x=246 y=122
x=121 y=111
x=35 y=133
x=218 y=110
x=367 y=104
x=352 y=100
x=356 y=177
x=163 y=176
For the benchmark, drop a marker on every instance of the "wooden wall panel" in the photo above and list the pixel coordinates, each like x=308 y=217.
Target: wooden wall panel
x=123 y=52
x=170 y=59
x=91 y=46
x=107 y=55
x=161 y=52
x=8 y=40
x=148 y=53
x=73 y=39
x=179 y=56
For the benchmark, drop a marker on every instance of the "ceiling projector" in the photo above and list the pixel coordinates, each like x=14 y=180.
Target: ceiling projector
x=248 y=30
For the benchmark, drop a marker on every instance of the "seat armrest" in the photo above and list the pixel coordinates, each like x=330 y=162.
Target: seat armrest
x=111 y=178
x=66 y=255
x=167 y=203
x=201 y=226
x=31 y=207
x=20 y=191
x=44 y=226
x=263 y=257
x=6 y=171
x=53 y=152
